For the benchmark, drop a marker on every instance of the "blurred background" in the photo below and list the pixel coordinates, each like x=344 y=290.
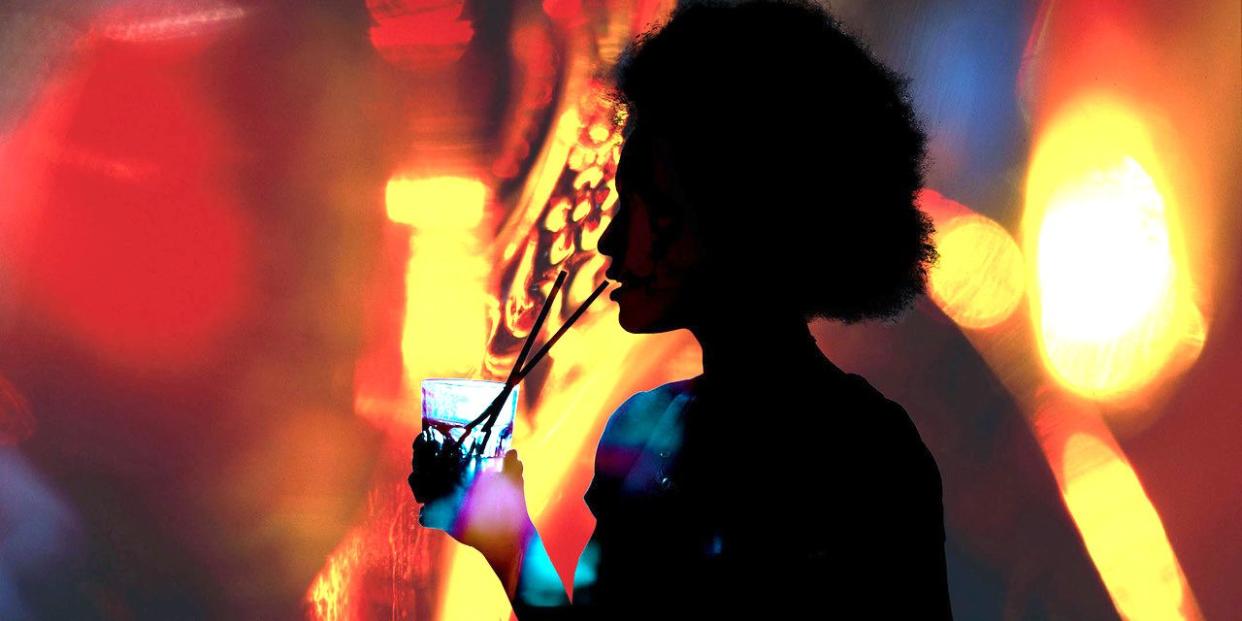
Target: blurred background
x=235 y=235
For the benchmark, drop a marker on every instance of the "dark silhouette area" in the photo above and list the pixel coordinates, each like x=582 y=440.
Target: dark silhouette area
x=768 y=178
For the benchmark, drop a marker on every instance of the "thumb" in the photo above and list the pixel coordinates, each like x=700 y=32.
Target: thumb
x=513 y=466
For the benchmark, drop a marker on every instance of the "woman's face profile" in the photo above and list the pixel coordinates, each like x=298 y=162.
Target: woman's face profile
x=657 y=256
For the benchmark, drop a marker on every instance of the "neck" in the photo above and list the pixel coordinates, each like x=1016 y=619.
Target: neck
x=750 y=343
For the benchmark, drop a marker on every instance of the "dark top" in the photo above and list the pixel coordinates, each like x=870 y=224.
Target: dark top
x=810 y=494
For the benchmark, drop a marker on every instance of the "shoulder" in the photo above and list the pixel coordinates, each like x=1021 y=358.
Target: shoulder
x=663 y=394
x=886 y=429
x=877 y=413
x=643 y=410
x=889 y=476
x=631 y=431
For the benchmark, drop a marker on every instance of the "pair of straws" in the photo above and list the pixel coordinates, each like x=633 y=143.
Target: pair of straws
x=518 y=372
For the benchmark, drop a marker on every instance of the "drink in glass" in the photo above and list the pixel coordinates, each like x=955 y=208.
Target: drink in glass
x=449 y=405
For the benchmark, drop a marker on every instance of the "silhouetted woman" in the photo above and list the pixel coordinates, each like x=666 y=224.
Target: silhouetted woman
x=768 y=178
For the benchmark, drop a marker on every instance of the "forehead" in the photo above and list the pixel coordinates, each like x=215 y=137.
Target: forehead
x=633 y=160
x=643 y=156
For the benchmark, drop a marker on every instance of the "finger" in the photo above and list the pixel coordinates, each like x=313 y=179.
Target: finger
x=422 y=442
x=412 y=480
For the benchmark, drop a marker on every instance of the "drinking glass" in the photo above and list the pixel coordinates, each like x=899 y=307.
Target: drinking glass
x=450 y=404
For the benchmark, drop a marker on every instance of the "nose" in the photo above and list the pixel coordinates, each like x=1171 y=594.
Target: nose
x=610 y=242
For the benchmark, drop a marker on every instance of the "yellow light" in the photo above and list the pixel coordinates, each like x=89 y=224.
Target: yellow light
x=1122 y=531
x=1118 y=523
x=1112 y=299
x=445 y=327
x=436 y=203
x=600 y=132
x=979 y=278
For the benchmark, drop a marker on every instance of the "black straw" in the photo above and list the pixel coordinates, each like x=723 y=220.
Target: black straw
x=519 y=371
x=493 y=410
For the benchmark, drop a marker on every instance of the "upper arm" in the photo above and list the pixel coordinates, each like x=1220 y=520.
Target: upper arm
x=613 y=456
x=632 y=429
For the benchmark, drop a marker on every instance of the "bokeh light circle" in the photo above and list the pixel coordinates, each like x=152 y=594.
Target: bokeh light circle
x=1111 y=299
x=979 y=279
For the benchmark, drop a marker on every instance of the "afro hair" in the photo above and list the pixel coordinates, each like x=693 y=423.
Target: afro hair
x=800 y=152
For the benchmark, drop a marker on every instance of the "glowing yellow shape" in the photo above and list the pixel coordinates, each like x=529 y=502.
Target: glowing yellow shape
x=472 y=590
x=1104 y=236
x=445 y=327
x=1112 y=296
x=1122 y=531
x=581 y=210
x=589 y=177
x=979 y=278
x=558 y=215
x=599 y=132
x=435 y=203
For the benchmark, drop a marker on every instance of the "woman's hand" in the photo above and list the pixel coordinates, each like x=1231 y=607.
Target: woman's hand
x=479 y=502
x=482 y=503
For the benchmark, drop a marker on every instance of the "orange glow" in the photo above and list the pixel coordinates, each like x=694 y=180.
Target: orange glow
x=329 y=593
x=442 y=334
x=1113 y=293
x=979 y=278
x=1120 y=527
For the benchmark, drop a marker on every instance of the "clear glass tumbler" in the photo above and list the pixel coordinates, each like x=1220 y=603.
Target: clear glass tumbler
x=451 y=404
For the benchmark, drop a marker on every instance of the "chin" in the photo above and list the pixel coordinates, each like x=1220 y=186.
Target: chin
x=632 y=325
x=643 y=323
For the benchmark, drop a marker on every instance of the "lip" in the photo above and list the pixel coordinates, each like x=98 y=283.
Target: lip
x=626 y=278
x=626 y=282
